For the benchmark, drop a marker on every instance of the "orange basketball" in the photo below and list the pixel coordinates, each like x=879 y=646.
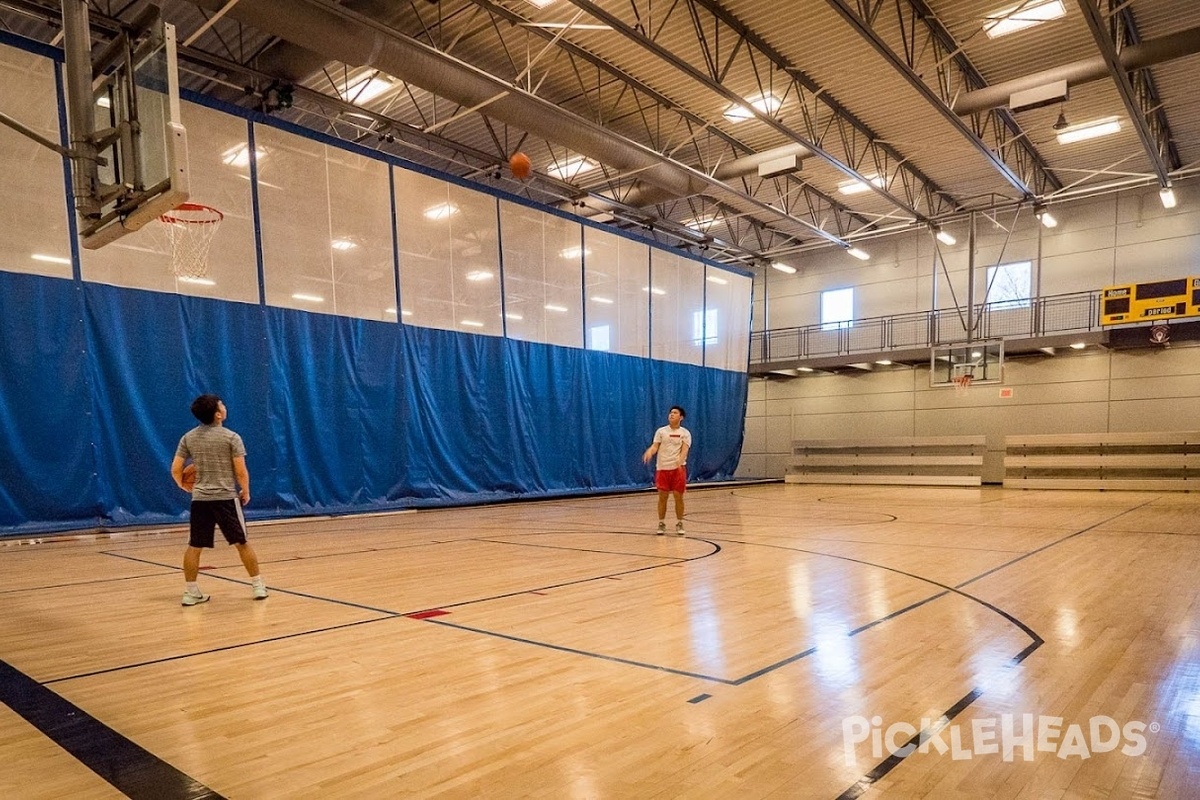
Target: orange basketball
x=189 y=477
x=520 y=165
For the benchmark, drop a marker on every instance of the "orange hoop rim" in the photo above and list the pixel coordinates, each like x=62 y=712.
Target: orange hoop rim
x=171 y=219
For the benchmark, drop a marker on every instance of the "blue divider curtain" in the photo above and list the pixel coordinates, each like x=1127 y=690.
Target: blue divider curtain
x=338 y=414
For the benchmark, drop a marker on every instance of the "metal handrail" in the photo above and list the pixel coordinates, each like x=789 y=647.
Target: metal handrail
x=1012 y=319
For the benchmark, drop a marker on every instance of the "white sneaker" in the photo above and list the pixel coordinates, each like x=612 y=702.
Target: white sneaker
x=260 y=591
x=190 y=599
x=679 y=528
x=662 y=528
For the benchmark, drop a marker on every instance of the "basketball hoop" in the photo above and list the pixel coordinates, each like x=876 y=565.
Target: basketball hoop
x=191 y=228
x=963 y=382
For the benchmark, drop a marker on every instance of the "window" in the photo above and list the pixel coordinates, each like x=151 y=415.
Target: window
x=837 y=309
x=1008 y=285
x=704 y=327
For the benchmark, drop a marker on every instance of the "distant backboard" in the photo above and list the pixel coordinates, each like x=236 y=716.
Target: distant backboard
x=137 y=134
x=982 y=361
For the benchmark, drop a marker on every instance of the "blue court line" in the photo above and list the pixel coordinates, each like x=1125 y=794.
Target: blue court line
x=129 y=768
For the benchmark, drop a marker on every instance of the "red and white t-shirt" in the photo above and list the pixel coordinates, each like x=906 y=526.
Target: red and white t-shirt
x=670 y=444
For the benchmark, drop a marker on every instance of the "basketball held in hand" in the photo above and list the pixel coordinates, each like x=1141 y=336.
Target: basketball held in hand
x=189 y=477
x=520 y=165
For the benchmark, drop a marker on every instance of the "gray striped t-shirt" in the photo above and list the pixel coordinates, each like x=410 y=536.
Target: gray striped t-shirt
x=212 y=448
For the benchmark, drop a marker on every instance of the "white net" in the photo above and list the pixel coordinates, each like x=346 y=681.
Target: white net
x=190 y=229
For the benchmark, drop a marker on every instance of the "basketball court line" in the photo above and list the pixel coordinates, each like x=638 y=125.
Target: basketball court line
x=128 y=767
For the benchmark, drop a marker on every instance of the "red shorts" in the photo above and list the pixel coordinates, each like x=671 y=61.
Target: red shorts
x=671 y=480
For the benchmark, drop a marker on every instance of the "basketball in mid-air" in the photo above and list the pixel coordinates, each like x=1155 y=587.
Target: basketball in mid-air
x=189 y=477
x=520 y=165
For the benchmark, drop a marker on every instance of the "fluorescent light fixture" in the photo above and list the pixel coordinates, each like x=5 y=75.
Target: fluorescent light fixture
x=104 y=101
x=342 y=244
x=608 y=301
x=553 y=307
x=804 y=369
x=539 y=3
x=976 y=354
x=884 y=363
x=1078 y=345
x=571 y=168
x=574 y=252
x=716 y=280
x=945 y=237
x=471 y=323
x=1088 y=130
x=655 y=290
x=308 y=298
x=1167 y=196
x=441 y=211
x=1021 y=16
x=50 y=259
x=1047 y=219
x=517 y=317
x=477 y=275
x=575 y=26
x=858 y=187
x=198 y=281
x=766 y=103
x=787 y=268
x=701 y=223
x=366 y=88
x=861 y=255
x=239 y=156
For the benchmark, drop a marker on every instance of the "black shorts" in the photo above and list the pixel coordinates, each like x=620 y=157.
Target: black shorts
x=209 y=513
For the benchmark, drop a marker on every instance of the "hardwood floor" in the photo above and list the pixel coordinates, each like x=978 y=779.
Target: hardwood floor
x=561 y=650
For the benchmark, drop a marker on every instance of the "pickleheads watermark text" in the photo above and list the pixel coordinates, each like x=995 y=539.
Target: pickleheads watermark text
x=1010 y=736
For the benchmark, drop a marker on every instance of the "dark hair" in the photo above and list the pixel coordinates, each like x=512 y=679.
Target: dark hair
x=204 y=408
x=682 y=413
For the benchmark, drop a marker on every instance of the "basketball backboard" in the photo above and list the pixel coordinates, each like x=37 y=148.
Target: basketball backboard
x=132 y=127
x=979 y=362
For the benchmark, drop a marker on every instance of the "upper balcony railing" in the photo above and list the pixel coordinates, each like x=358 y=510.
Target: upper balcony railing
x=1015 y=319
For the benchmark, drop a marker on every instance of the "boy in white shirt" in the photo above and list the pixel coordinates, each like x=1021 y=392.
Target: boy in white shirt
x=671 y=444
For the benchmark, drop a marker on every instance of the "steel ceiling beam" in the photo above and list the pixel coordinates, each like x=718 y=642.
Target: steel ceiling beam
x=1139 y=102
x=826 y=124
x=996 y=136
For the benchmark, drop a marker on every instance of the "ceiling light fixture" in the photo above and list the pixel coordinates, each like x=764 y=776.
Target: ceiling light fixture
x=858 y=187
x=1078 y=346
x=804 y=369
x=785 y=268
x=861 y=255
x=765 y=103
x=365 y=89
x=944 y=236
x=1045 y=217
x=1021 y=16
x=571 y=168
x=1088 y=130
x=539 y=3
x=701 y=223
x=1167 y=196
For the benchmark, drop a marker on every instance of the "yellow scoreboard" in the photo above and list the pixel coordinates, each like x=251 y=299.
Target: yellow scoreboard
x=1147 y=302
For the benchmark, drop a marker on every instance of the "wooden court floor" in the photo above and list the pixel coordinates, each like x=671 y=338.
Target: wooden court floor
x=1003 y=643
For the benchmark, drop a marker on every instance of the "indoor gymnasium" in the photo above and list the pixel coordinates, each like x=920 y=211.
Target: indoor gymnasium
x=580 y=399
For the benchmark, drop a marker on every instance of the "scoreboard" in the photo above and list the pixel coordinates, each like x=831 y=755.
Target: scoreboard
x=1150 y=302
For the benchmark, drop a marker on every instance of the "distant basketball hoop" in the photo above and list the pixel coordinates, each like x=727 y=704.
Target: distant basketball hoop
x=191 y=228
x=963 y=382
